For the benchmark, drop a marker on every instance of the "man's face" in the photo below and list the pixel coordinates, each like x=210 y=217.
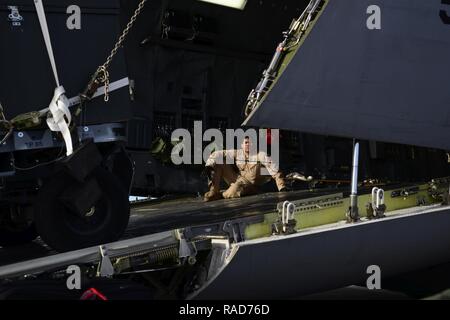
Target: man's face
x=246 y=145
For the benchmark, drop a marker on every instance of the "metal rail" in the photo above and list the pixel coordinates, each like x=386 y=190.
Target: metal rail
x=90 y=255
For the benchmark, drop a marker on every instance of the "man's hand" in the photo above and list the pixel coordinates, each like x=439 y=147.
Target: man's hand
x=285 y=189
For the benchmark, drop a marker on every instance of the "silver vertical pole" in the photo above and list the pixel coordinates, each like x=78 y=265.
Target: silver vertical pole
x=353 y=213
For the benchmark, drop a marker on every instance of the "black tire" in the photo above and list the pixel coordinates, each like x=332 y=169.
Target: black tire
x=63 y=230
x=13 y=235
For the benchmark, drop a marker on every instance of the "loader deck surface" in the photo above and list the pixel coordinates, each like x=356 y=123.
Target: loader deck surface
x=166 y=214
x=153 y=217
x=149 y=217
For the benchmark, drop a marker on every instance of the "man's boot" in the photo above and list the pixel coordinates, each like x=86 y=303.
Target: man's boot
x=212 y=195
x=214 y=187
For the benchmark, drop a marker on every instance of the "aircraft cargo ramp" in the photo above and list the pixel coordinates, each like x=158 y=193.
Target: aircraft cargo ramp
x=234 y=249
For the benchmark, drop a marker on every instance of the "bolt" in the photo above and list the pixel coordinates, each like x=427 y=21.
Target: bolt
x=192 y=261
x=91 y=212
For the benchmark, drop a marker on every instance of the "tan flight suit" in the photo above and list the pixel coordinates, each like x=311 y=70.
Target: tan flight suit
x=246 y=179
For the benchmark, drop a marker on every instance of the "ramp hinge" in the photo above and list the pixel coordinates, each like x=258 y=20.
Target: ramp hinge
x=105 y=267
x=286 y=222
x=376 y=208
x=186 y=250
